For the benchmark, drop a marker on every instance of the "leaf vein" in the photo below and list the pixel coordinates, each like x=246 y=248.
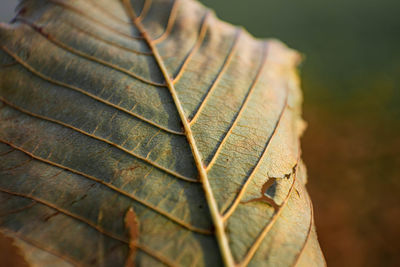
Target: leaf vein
x=242 y=108
x=215 y=215
x=95 y=21
x=308 y=232
x=30 y=205
x=114 y=188
x=225 y=65
x=41 y=247
x=99 y=229
x=170 y=24
x=107 y=13
x=111 y=43
x=239 y=196
x=145 y=10
x=80 y=90
x=66 y=212
x=145 y=159
x=72 y=50
x=256 y=244
x=195 y=48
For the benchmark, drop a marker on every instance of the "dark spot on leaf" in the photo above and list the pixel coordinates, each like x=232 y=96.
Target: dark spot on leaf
x=268 y=190
x=132 y=224
x=93 y=261
x=51 y=216
x=79 y=199
x=131 y=168
x=10 y=254
x=22 y=11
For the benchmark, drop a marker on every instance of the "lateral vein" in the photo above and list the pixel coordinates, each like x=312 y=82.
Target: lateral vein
x=145 y=159
x=216 y=216
x=95 y=21
x=170 y=23
x=80 y=90
x=242 y=108
x=72 y=50
x=256 y=244
x=114 y=188
x=195 y=48
x=239 y=196
x=142 y=247
x=225 y=65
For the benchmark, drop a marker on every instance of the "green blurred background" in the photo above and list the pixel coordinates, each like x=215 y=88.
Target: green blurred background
x=351 y=83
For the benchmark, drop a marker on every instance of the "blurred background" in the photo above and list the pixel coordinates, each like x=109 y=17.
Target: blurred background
x=351 y=83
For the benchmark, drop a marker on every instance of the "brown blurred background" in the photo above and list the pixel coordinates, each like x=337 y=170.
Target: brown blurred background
x=351 y=83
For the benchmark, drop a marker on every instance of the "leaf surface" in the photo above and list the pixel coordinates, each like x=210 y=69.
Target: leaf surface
x=150 y=129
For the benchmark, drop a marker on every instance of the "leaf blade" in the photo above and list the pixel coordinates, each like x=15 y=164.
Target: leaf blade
x=187 y=49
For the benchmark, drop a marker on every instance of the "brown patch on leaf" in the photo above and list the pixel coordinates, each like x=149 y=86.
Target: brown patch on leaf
x=132 y=224
x=10 y=254
x=264 y=197
x=271 y=181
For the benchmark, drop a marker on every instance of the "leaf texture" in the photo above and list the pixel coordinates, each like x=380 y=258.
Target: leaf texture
x=157 y=112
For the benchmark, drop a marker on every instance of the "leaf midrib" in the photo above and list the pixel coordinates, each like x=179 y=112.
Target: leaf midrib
x=213 y=207
x=188 y=133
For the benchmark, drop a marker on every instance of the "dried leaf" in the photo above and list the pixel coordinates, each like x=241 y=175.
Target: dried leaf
x=159 y=106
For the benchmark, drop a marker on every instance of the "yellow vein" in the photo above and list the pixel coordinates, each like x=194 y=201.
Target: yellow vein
x=97 y=37
x=72 y=50
x=87 y=222
x=145 y=9
x=242 y=108
x=107 y=13
x=145 y=159
x=235 y=203
x=214 y=211
x=114 y=188
x=155 y=254
x=225 y=65
x=308 y=232
x=171 y=20
x=250 y=253
x=38 y=246
x=77 y=89
x=143 y=13
x=97 y=22
x=66 y=212
x=195 y=48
